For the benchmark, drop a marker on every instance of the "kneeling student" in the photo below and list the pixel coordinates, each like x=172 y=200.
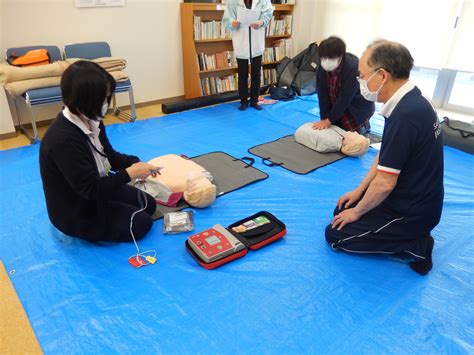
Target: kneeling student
x=84 y=178
x=340 y=100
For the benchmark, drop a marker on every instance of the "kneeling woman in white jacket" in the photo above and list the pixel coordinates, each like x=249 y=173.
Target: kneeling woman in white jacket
x=249 y=44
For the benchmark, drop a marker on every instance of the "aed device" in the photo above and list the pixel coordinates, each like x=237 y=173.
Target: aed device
x=215 y=243
x=219 y=245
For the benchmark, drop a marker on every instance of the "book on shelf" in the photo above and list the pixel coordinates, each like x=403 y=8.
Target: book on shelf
x=280 y=27
x=204 y=30
x=224 y=60
x=268 y=77
x=284 y=2
x=217 y=85
x=279 y=50
x=215 y=61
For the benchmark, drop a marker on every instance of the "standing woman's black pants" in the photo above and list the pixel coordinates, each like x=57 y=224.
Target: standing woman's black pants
x=243 y=70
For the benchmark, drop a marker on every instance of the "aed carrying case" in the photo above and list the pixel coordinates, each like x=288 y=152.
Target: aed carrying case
x=221 y=245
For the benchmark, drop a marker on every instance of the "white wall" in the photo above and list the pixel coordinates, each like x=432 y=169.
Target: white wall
x=424 y=26
x=462 y=52
x=306 y=22
x=6 y=120
x=146 y=33
x=355 y=21
x=6 y=123
x=1 y=27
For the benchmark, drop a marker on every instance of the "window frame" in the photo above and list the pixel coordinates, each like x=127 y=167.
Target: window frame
x=442 y=91
x=449 y=89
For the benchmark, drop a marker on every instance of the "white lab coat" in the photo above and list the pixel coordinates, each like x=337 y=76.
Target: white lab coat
x=240 y=37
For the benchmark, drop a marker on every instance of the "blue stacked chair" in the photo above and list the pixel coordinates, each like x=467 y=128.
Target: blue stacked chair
x=94 y=50
x=37 y=97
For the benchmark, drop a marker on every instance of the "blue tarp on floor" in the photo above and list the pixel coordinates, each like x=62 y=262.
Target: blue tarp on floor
x=293 y=296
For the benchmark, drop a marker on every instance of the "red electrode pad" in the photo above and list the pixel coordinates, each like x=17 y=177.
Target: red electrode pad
x=137 y=261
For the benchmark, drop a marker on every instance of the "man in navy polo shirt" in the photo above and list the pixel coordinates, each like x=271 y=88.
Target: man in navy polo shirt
x=399 y=202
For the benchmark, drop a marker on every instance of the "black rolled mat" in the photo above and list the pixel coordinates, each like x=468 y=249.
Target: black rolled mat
x=203 y=101
x=458 y=134
x=189 y=104
x=291 y=155
x=229 y=174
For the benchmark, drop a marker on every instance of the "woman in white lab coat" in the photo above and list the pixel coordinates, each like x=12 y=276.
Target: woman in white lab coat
x=247 y=20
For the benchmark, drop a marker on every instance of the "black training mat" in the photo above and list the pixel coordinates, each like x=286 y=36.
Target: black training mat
x=229 y=174
x=374 y=138
x=291 y=155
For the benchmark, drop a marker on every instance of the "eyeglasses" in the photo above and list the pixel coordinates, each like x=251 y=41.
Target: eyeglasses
x=360 y=76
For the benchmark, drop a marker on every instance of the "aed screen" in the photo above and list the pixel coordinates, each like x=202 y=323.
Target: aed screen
x=212 y=240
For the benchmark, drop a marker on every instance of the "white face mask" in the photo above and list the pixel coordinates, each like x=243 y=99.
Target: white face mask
x=329 y=64
x=364 y=89
x=104 y=109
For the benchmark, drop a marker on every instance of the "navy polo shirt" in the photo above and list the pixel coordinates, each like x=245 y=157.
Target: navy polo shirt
x=412 y=148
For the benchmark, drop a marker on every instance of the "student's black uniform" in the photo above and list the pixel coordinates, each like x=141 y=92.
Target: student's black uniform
x=412 y=148
x=80 y=202
x=351 y=111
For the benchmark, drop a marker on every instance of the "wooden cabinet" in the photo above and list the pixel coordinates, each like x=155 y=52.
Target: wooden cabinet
x=193 y=44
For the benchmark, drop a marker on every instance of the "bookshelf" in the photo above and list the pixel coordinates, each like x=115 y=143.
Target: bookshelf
x=207 y=48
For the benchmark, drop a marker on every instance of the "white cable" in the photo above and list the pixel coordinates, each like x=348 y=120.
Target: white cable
x=143 y=195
